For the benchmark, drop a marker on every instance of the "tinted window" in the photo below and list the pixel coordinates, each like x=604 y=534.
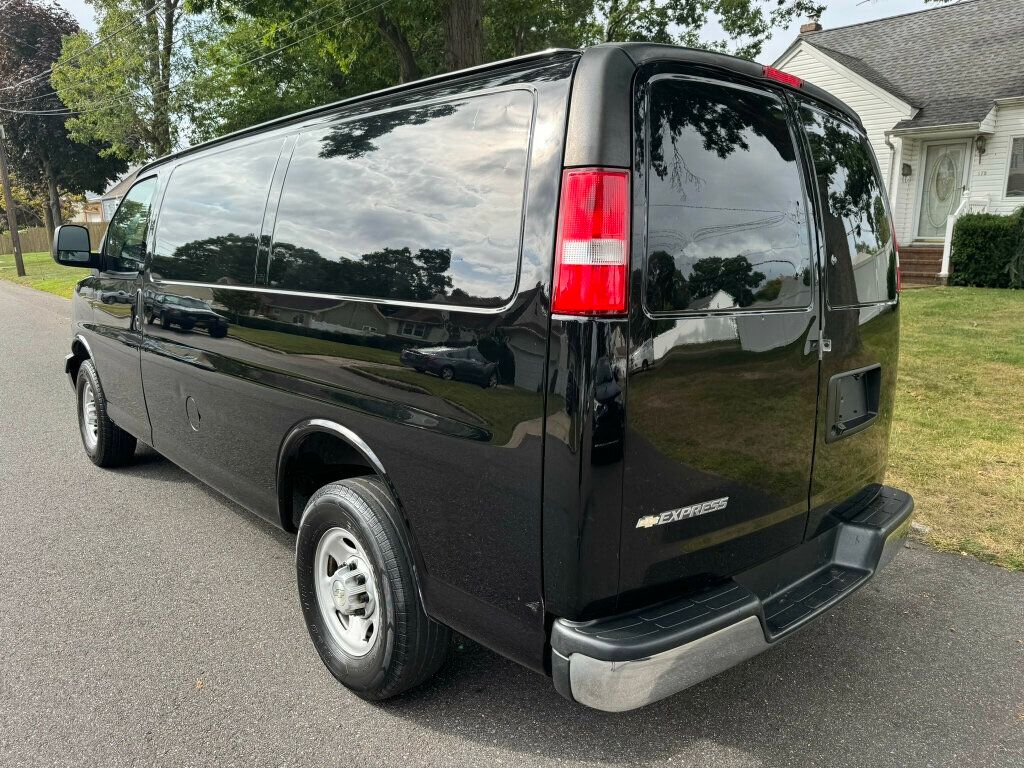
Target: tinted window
x=727 y=225
x=212 y=213
x=860 y=257
x=124 y=248
x=421 y=204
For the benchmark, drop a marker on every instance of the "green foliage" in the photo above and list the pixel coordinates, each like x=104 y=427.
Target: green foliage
x=987 y=250
x=347 y=48
x=44 y=157
x=133 y=91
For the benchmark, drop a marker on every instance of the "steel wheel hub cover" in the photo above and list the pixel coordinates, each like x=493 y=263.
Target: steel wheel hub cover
x=346 y=592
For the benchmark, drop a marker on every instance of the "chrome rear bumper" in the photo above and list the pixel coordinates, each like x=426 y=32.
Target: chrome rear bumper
x=637 y=658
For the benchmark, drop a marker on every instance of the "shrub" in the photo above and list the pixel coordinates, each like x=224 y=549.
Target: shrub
x=988 y=250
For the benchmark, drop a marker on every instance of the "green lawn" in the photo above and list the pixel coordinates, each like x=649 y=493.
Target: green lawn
x=42 y=273
x=958 y=433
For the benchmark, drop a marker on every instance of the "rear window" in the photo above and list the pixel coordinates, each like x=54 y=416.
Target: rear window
x=860 y=257
x=419 y=204
x=728 y=223
x=212 y=213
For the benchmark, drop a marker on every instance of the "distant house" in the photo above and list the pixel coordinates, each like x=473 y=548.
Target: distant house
x=941 y=95
x=110 y=199
x=99 y=208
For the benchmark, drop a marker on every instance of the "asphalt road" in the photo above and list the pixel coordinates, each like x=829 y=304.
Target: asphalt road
x=144 y=619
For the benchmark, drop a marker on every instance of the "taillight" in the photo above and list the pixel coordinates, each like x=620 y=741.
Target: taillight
x=782 y=77
x=592 y=249
x=896 y=251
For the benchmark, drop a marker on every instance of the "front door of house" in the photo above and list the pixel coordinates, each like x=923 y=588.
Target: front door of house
x=942 y=186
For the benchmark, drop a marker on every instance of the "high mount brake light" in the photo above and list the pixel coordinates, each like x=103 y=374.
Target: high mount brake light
x=592 y=248
x=782 y=77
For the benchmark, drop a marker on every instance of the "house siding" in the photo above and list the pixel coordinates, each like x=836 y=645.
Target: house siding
x=989 y=175
x=877 y=114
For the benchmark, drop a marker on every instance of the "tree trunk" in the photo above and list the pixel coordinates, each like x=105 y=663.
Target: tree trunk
x=49 y=223
x=464 y=32
x=394 y=35
x=53 y=198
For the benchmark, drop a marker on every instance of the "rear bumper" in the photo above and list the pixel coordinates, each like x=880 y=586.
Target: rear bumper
x=627 y=661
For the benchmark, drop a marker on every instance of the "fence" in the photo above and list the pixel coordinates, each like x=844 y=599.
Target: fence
x=38 y=239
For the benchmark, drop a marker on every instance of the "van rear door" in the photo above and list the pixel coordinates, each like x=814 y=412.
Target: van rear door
x=860 y=328
x=722 y=400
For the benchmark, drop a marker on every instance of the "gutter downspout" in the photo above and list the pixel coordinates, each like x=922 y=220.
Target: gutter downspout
x=893 y=164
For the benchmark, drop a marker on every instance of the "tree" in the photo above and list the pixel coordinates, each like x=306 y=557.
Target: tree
x=130 y=91
x=747 y=24
x=43 y=154
x=344 y=48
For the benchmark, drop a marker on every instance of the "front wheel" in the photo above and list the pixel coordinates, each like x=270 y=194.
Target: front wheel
x=358 y=592
x=106 y=444
x=447 y=373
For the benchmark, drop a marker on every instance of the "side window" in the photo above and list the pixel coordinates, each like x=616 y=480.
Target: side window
x=212 y=213
x=1015 y=179
x=124 y=248
x=860 y=258
x=727 y=225
x=419 y=204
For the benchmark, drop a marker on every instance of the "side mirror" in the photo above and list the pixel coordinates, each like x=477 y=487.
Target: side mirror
x=71 y=247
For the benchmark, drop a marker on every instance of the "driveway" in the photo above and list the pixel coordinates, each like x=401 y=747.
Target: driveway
x=144 y=619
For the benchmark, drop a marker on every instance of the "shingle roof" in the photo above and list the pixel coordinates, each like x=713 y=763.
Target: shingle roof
x=120 y=187
x=950 y=61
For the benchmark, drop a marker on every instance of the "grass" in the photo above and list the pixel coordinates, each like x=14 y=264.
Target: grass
x=958 y=433
x=42 y=273
x=309 y=345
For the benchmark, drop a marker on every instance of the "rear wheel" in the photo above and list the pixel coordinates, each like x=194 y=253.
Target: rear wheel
x=447 y=373
x=106 y=444
x=359 y=595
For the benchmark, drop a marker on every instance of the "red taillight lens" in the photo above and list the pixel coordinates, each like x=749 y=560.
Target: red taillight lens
x=782 y=77
x=896 y=250
x=592 y=250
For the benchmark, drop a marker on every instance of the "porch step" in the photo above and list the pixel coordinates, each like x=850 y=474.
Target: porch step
x=913 y=278
x=920 y=265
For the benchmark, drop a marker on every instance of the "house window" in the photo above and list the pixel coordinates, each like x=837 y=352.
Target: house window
x=419 y=330
x=1015 y=180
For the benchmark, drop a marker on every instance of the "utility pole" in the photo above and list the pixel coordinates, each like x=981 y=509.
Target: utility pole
x=12 y=218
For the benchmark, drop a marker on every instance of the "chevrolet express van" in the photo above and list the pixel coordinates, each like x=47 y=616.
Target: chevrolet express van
x=671 y=283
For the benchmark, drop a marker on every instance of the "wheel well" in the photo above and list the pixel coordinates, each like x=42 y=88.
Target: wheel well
x=317 y=459
x=81 y=354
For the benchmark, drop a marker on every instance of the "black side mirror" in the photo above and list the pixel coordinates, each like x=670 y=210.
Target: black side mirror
x=71 y=247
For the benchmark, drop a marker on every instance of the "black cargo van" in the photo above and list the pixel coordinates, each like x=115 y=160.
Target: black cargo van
x=671 y=283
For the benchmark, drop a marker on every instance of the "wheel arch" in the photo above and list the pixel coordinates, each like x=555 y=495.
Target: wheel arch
x=80 y=352
x=317 y=452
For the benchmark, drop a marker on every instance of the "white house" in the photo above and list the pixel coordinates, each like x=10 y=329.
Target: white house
x=941 y=95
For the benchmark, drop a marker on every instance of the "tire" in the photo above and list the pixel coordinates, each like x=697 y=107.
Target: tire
x=164 y=322
x=105 y=443
x=218 y=332
x=492 y=381
x=406 y=647
x=447 y=373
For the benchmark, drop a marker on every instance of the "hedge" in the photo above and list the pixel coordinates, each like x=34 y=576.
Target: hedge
x=988 y=250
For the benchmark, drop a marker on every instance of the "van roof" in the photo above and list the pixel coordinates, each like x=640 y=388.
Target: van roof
x=639 y=54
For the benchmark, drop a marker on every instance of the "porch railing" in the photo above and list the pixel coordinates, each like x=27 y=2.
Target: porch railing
x=967 y=205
